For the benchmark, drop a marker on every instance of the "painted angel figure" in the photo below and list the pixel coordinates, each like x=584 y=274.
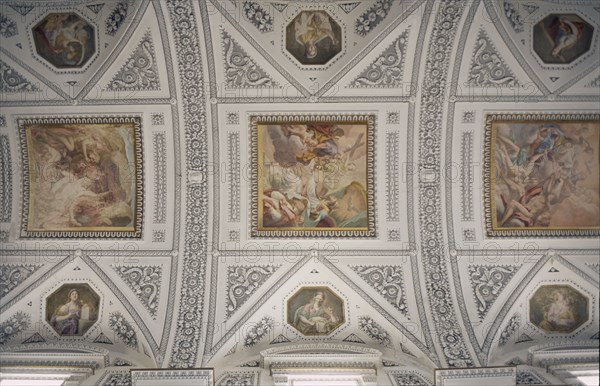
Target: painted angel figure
x=564 y=34
x=311 y=28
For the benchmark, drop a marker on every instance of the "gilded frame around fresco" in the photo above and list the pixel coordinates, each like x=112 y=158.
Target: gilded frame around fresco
x=135 y=176
x=257 y=147
x=490 y=173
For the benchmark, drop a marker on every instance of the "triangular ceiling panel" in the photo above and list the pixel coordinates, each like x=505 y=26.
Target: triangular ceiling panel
x=313 y=63
x=486 y=70
x=42 y=308
x=140 y=70
x=557 y=60
x=19 y=85
x=271 y=318
x=145 y=283
x=67 y=46
x=243 y=73
x=388 y=69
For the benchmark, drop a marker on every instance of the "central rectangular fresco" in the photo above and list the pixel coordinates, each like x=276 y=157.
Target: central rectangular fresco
x=312 y=176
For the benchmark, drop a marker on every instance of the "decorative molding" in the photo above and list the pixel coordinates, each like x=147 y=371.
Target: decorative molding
x=466 y=176
x=11 y=275
x=237 y=379
x=393 y=118
x=407 y=377
x=487 y=282
x=96 y=8
x=596 y=335
x=233 y=166
x=2 y=120
x=158 y=119
x=123 y=329
x=8 y=28
x=353 y=338
x=280 y=339
x=469 y=234
x=6 y=172
x=233 y=118
x=387 y=69
x=234 y=235
x=160 y=177
x=258 y=16
x=115 y=378
x=436 y=270
x=279 y=6
x=513 y=326
x=394 y=235
x=240 y=70
x=530 y=8
x=139 y=73
x=22 y=9
x=101 y=338
x=158 y=235
x=594 y=82
x=487 y=66
x=372 y=17
x=374 y=331
x=528 y=378
x=115 y=20
x=121 y=362
x=35 y=338
x=259 y=331
x=13 y=326
x=243 y=281
x=4 y=236
x=392 y=140
x=251 y=364
x=594 y=267
x=468 y=116
x=231 y=350
x=524 y=338
x=144 y=281
x=11 y=81
x=348 y=7
x=388 y=281
x=513 y=17
x=187 y=337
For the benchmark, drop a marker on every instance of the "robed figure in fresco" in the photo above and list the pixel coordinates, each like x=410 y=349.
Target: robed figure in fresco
x=315 y=318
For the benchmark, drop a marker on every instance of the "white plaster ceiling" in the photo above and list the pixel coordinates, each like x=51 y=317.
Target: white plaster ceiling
x=195 y=103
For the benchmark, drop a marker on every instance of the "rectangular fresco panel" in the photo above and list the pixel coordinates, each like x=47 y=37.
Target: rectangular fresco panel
x=542 y=175
x=313 y=176
x=83 y=177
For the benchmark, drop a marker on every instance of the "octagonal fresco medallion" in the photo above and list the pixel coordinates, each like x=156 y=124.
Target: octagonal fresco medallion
x=315 y=311
x=313 y=37
x=72 y=309
x=562 y=38
x=65 y=40
x=558 y=308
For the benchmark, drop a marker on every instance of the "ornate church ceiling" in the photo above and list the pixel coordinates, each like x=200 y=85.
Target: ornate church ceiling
x=254 y=186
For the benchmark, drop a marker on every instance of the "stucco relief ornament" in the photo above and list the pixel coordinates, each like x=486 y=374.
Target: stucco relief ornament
x=375 y=331
x=240 y=70
x=12 y=81
x=140 y=71
x=13 y=326
x=487 y=283
x=372 y=17
x=11 y=275
x=243 y=281
x=386 y=70
x=258 y=16
x=259 y=331
x=123 y=329
x=487 y=67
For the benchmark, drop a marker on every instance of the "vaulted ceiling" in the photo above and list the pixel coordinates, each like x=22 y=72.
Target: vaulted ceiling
x=430 y=285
